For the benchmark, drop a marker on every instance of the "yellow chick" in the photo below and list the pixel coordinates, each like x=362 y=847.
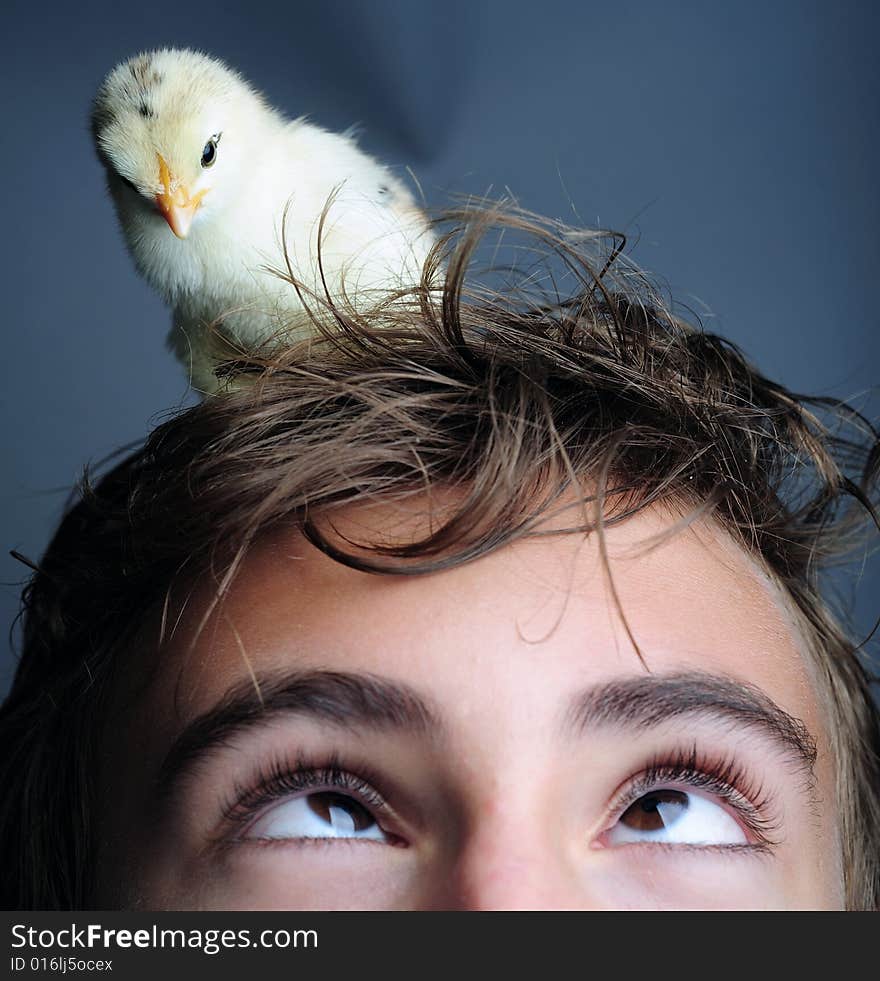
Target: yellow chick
x=204 y=173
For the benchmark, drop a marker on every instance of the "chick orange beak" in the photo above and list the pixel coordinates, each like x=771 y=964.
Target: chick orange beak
x=177 y=206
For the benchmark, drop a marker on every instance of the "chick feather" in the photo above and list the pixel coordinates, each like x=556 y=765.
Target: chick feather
x=211 y=184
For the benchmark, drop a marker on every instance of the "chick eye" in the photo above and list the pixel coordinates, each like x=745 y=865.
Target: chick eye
x=209 y=153
x=676 y=817
x=129 y=183
x=324 y=814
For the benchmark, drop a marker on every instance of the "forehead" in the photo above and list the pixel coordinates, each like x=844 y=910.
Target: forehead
x=151 y=94
x=529 y=622
x=166 y=80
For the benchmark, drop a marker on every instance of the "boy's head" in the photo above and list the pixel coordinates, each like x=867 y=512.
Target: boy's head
x=488 y=598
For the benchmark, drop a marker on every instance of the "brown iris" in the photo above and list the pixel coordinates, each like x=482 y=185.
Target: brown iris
x=339 y=811
x=655 y=810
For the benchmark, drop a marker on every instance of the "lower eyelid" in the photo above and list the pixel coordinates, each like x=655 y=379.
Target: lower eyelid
x=335 y=846
x=304 y=840
x=756 y=849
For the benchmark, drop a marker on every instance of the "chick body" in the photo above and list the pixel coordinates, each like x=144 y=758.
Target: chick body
x=153 y=117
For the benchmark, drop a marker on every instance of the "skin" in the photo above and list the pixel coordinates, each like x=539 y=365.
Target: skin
x=502 y=804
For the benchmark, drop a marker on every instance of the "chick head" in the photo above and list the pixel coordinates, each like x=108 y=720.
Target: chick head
x=173 y=128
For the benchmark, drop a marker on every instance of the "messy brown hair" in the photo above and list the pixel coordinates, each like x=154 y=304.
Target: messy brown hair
x=563 y=370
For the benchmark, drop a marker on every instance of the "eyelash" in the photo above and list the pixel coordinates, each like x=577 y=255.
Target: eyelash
x=278 y=779
x=721 y=776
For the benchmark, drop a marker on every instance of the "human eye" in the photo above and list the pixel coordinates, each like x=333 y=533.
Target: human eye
x=676 y=817
x=308 y=803
x=689 y=801
x=319 y=814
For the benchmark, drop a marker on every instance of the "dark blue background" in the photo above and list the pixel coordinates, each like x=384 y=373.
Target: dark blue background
x=737 y=141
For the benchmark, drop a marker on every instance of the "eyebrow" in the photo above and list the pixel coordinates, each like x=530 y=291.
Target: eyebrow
x=357 y=701
x=349 y=701
x=647 y=702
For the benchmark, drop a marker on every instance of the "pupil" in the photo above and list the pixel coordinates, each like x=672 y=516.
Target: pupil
x=339 y=811
x=208 y=154
x=656 y=810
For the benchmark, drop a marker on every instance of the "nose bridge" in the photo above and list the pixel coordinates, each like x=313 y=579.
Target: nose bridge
x=509 y=857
